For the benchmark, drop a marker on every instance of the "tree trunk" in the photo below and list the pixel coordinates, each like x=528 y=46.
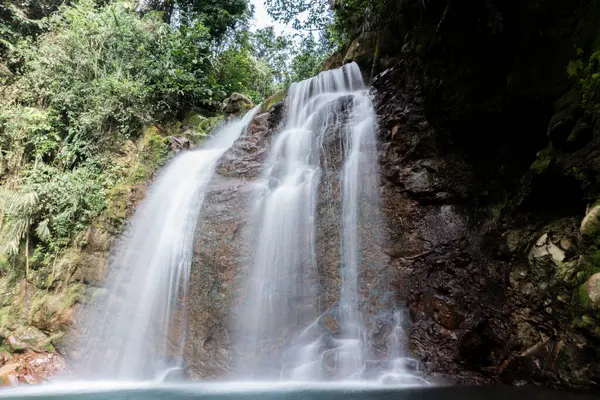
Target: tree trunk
x=27 y=257
x=167 y=11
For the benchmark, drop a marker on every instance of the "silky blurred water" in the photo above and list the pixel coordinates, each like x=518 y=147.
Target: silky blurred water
x=137 y=330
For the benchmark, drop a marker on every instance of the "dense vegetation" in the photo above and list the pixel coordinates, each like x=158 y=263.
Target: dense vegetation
x=91 y=94
x=80 y=80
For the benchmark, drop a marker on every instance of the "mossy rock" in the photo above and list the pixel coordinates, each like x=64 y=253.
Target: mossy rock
x=589 y=293
x=236 y=103
x=25 y=338
x=362 y=50
x=153 y=153
x=207 y=126
x=589 y=324
x=195 y=119
x=542 y=161
x=591 y=222
x=8 y=317
x=51 y=312
x=273 y=100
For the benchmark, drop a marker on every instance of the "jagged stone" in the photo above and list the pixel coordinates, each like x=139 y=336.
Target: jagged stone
x=544 y=247
x=237 y=103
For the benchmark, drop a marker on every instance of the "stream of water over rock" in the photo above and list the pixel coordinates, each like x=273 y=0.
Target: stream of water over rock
x=281 y=322
x=137 y=329
x=321 y=173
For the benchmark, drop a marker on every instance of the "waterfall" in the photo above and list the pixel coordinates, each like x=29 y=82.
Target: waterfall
x=136 y=330
x=322 y=162
x=310 y=308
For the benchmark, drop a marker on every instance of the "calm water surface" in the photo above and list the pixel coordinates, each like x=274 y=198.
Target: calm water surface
x=276 y=391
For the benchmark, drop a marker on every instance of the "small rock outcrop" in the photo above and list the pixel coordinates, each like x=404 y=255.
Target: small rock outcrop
x=590 y=225
x=592 y=291
x=236 y=104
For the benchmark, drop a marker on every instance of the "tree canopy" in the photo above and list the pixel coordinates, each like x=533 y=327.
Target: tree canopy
x=78 y=80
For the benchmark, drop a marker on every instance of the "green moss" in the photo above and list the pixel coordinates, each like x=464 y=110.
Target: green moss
x=583 y=300
x=589 y=323
x=58 y=339
x=154 y=153
x=273 y=100
x=48 y=346
x=567 y=271
x=73 y=295
x=195 y=119
x=205 y=126
x=590 y=260
x=496 y=209
x=542 y=161
x=577 y=174
x=47 y=308
x=8 y=317
x=4 y=348
x=116 y=211
x=574 y=67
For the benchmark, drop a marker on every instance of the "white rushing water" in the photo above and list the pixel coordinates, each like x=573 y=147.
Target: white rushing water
x=136 y=329
x=281 y=337
x=305 y=315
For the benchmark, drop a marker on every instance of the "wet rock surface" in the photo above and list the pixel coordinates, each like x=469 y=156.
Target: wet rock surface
x=221 y=250
x=494 y=289
x=30 y=368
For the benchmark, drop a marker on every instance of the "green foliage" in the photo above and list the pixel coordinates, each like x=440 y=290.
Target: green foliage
x=69 y=201
x=26 y=134
x=19 y=217
x=217 y=15
x=308 y=59
x=353 y=17
x=90 y=81
x=583 y=299
x=276 y=51
x=241 y=72
x=18 y=22
x=342 y=21
x=303 y=14
x=590 y=84
x=290 y=59
x=105 y=72
x=79 y=81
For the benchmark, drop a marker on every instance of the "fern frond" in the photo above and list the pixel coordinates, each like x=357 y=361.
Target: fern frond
x=42 y=231
x=22 y=203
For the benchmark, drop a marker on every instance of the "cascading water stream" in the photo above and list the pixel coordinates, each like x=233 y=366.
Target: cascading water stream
x=325 y=156
x=136 y=330
x=315 y=222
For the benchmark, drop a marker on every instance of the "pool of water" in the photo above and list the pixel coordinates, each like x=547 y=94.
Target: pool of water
x=276 y=391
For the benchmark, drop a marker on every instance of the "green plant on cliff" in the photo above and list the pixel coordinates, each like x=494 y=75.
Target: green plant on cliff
x=18 y=222
x=102 y=73
x=87 y=84
x=587 y=73
x=590 y=83
x=242 y=72
x=69 y=201
x=89 y=94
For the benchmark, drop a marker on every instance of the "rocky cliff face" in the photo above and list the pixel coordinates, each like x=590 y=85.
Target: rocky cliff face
x=493 y=288
x=489 y=137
